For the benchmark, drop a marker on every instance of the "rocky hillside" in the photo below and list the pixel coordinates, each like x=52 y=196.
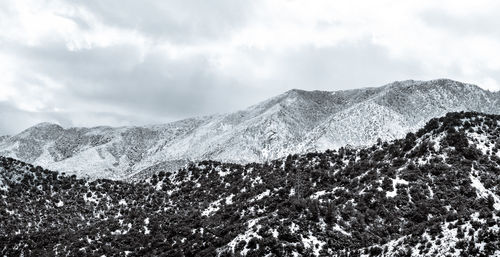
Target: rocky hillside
x=433 y=193
x=2 y=138
x=294 y=122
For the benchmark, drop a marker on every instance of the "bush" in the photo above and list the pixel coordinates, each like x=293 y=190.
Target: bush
x=375 y=251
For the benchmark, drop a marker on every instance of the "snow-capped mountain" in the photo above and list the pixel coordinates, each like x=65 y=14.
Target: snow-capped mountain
x=433 y=193
x=294 y=122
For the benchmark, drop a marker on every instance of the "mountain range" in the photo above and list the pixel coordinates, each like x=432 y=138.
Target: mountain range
x=296 y=121
x=434 y=192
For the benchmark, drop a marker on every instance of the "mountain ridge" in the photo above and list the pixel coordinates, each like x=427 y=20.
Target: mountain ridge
x=434 y=192
x=296 y=121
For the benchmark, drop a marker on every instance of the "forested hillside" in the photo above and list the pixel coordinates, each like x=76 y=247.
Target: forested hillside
x=433 y=193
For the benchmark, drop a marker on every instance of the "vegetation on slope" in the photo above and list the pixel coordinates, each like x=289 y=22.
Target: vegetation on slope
x=434 y=193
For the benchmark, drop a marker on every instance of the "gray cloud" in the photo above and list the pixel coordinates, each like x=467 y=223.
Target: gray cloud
x=475 y=25
x=345 y=66
x=14 y=120
x=153 y=62
x=178 y=21
x=154 y=84
x=174 y=89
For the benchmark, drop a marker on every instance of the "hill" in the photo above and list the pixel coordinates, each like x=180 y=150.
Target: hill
x=433 y=193
x=295 y=122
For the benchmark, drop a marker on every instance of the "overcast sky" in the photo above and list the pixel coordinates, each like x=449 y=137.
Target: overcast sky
x=129 y=62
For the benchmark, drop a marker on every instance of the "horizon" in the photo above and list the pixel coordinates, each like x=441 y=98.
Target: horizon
x=243 y=109
x=249 y=128
x=122 y=63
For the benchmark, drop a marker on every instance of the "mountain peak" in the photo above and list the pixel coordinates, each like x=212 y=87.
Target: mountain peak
x=295 y=91
x=295 y=121
x=435 y=83
x=42 y=130
x=46 y=125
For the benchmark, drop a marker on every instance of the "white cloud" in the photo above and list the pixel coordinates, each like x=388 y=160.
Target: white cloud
x=70 y=56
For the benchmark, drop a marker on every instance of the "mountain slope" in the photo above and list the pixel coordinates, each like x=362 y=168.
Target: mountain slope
x=433 y=193
x=295 y=122
x=2 y=138
x=397 y=109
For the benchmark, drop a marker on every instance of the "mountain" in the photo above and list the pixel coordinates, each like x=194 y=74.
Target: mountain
x=295 y=122
x=2 y=138
x=432 y=193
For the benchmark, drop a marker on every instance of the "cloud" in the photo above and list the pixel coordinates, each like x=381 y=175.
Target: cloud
x=343 y=66
x=87 y=63
x=177 y=21
x=14 y=120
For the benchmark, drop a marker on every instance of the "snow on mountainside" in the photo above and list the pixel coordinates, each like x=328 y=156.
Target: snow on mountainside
x=396 y=109
x=295 y=122
x=435 y=192
x=2 y=138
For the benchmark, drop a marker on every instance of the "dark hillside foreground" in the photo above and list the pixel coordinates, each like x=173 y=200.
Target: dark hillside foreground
x=433 y=193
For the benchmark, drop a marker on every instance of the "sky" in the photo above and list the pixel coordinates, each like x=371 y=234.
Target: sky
x=124 y=62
